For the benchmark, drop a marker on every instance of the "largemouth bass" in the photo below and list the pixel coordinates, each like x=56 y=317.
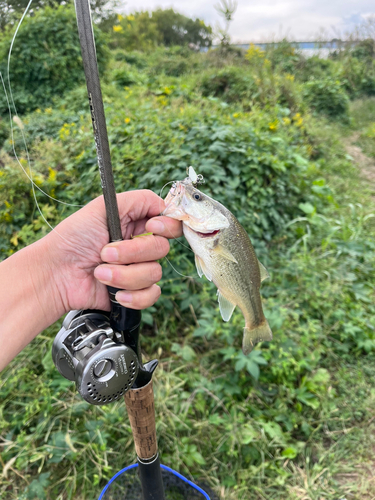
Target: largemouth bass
x=224 y=254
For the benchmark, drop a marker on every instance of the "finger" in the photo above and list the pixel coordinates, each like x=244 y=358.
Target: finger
x=140 y=299
x=139 y=204
x=132 y=277
x=141 y=249
x=164 y=226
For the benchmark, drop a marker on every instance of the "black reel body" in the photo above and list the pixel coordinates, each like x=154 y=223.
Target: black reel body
x=88 y=351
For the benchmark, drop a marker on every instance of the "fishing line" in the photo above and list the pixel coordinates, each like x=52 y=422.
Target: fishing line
x=16 y=114
x=175 y=239
x=32 y=183
x=12 y=118
x=175 y=270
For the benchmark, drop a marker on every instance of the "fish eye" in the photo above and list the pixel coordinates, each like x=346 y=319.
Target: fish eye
x=197 y=196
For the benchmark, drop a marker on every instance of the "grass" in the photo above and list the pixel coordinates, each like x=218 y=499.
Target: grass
x=293 y=420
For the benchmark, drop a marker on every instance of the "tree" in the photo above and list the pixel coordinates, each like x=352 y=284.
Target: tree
x=136 y=31
x=11 y=10
x=46 y=58
x=177 y=29
x=144 y=30
x=226 y=8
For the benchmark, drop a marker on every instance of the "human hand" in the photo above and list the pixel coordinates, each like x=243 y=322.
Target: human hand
x=83 y=262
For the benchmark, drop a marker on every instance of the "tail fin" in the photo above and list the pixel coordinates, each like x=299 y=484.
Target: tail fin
x=252 y=336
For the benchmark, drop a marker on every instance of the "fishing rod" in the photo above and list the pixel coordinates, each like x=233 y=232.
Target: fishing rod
x=101 y=352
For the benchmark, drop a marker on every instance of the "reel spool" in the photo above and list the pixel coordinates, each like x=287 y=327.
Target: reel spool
x=89 y=352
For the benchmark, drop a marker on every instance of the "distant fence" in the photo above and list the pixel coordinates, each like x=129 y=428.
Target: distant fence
x=322 y=48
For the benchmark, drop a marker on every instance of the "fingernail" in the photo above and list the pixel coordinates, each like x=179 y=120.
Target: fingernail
x=157 y=226
x=110 y=254
x=103 y=274
x=124 y=297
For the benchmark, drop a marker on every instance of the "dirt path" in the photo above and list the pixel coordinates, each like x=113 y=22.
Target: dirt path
x=365 y=164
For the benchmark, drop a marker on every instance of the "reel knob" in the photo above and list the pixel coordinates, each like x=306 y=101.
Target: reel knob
x=107 y=374
x=103 y=368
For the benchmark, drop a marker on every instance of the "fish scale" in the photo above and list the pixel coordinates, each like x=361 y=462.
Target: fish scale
x=224 y=254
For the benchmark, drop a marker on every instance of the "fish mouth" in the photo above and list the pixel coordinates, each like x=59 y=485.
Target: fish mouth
x=208 y=235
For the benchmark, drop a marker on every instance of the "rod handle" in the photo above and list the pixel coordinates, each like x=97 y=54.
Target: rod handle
x=141 y=411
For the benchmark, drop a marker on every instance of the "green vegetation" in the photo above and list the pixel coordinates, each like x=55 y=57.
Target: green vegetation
x=290 y=420
x=47 y=67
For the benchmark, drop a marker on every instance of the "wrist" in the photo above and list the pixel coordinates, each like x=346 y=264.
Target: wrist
x=44 y=272
x=28 y=297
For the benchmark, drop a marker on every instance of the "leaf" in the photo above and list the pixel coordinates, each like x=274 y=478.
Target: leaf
x=289 y=453
x=248 y=434
x=273 y=430
x=307 y=208
x=37 y=488
x=185 y=352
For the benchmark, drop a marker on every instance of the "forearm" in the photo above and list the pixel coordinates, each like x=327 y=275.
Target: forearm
x=29 y=300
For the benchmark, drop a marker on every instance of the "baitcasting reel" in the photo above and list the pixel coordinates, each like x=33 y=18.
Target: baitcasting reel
x=90 y=352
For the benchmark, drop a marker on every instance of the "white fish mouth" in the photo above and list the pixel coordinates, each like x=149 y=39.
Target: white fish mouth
x=207 y=235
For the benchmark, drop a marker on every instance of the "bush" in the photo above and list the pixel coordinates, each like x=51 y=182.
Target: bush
x=46 y=59
x=283 y=56
x=364 y=50
x=357 y=77
x=315 y=68
x=4 y=131
x=136 y=59
x=327 y=97
x=123 y=77
x=230 y=84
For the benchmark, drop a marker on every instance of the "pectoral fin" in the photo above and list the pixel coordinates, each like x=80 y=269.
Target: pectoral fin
x=202 y=268
x=226 y=307
x=224 y=252
x=263 y=272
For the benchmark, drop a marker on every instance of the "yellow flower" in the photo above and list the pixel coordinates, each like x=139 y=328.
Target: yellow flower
x=52 y=174
x=48 y=111
x=14 y=239
x=254 y=54
x=236 y=115
x=117 y=28
x=127 y=120
x=289 y=77
x=131 y=17
x=162 y=100
x=286 y=120
x=273 y=125
x=64 y=132
x=298 y=120
x=119 y=18
x=79 y=156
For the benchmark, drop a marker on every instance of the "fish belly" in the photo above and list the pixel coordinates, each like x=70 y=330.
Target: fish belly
x=238 y=282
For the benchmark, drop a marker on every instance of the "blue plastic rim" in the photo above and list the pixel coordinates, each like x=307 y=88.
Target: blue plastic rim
x=180 y=476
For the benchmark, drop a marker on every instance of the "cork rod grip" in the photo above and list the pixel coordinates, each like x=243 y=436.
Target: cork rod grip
x=141 y=411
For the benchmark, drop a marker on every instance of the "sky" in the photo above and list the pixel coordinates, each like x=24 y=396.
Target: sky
x=267 y=20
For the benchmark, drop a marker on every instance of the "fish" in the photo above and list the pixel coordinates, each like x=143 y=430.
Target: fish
x=224 y=254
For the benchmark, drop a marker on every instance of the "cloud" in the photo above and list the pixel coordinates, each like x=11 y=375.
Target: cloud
x=263 y=20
